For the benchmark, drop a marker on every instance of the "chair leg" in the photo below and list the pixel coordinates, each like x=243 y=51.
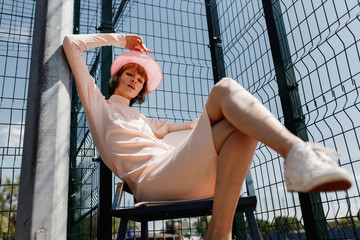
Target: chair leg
x=144 y=230
x=254 y=230
x=239 y=227
x=122 y=229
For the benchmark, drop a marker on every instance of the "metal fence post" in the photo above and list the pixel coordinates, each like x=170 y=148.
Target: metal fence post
x=215 y=45
x=73 y=176
x=43 y=202
x=218 y=67
x=105 y=191
x=312 y=211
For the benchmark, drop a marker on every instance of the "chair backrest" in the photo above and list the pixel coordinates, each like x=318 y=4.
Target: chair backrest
x=121 y=187
x=118 y=195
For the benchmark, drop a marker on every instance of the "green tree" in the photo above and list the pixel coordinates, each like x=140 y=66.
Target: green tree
x=264 y=227
x=286 y=225
x=179 y=227
x=345 y=223
x=9 y=194
x=202 y=224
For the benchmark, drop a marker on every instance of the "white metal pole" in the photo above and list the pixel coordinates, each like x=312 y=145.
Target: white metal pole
x=43 y=193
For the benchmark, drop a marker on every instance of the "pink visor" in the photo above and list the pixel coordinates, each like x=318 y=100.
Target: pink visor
x=152 y=68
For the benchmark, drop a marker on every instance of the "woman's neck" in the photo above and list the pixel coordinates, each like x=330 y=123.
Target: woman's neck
x=120 y=99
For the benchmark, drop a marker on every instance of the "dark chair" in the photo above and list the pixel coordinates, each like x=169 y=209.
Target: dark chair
x=159 y=210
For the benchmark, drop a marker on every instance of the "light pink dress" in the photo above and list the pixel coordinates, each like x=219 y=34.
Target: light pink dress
x=129 y=143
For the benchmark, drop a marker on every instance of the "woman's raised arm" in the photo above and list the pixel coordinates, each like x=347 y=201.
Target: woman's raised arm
x=74 y=45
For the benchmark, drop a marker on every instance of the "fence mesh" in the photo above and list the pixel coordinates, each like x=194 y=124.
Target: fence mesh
x=172 y=30
x=176 y=31
x=323 y=59
x=84 y=172
x=324 y=55
x=16 y=24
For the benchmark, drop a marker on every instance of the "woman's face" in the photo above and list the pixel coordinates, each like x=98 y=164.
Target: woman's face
x=130 y=84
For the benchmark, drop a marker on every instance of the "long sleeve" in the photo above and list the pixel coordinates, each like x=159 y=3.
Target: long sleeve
x=73 y=46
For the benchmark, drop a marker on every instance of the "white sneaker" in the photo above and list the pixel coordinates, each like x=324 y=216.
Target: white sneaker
x=309 y=168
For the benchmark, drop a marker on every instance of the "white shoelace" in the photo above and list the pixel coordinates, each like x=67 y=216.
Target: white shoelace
x=320 y=150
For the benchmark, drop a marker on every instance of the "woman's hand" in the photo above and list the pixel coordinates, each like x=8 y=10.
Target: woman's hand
x=193 y=123
x=135 y=43
x=173 y=127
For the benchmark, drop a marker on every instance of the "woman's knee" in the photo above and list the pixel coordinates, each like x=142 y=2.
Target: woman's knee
x=226 y=81
x=225 y=86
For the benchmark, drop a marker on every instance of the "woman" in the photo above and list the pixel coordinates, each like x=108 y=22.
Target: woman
x=215 y=158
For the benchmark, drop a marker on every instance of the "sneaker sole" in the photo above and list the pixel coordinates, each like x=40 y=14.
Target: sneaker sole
x=332 y=186
x=325 y=185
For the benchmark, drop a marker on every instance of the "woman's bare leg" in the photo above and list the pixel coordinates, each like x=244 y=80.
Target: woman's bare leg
x=228 y=100
x=236 y=151
x=238 y=121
